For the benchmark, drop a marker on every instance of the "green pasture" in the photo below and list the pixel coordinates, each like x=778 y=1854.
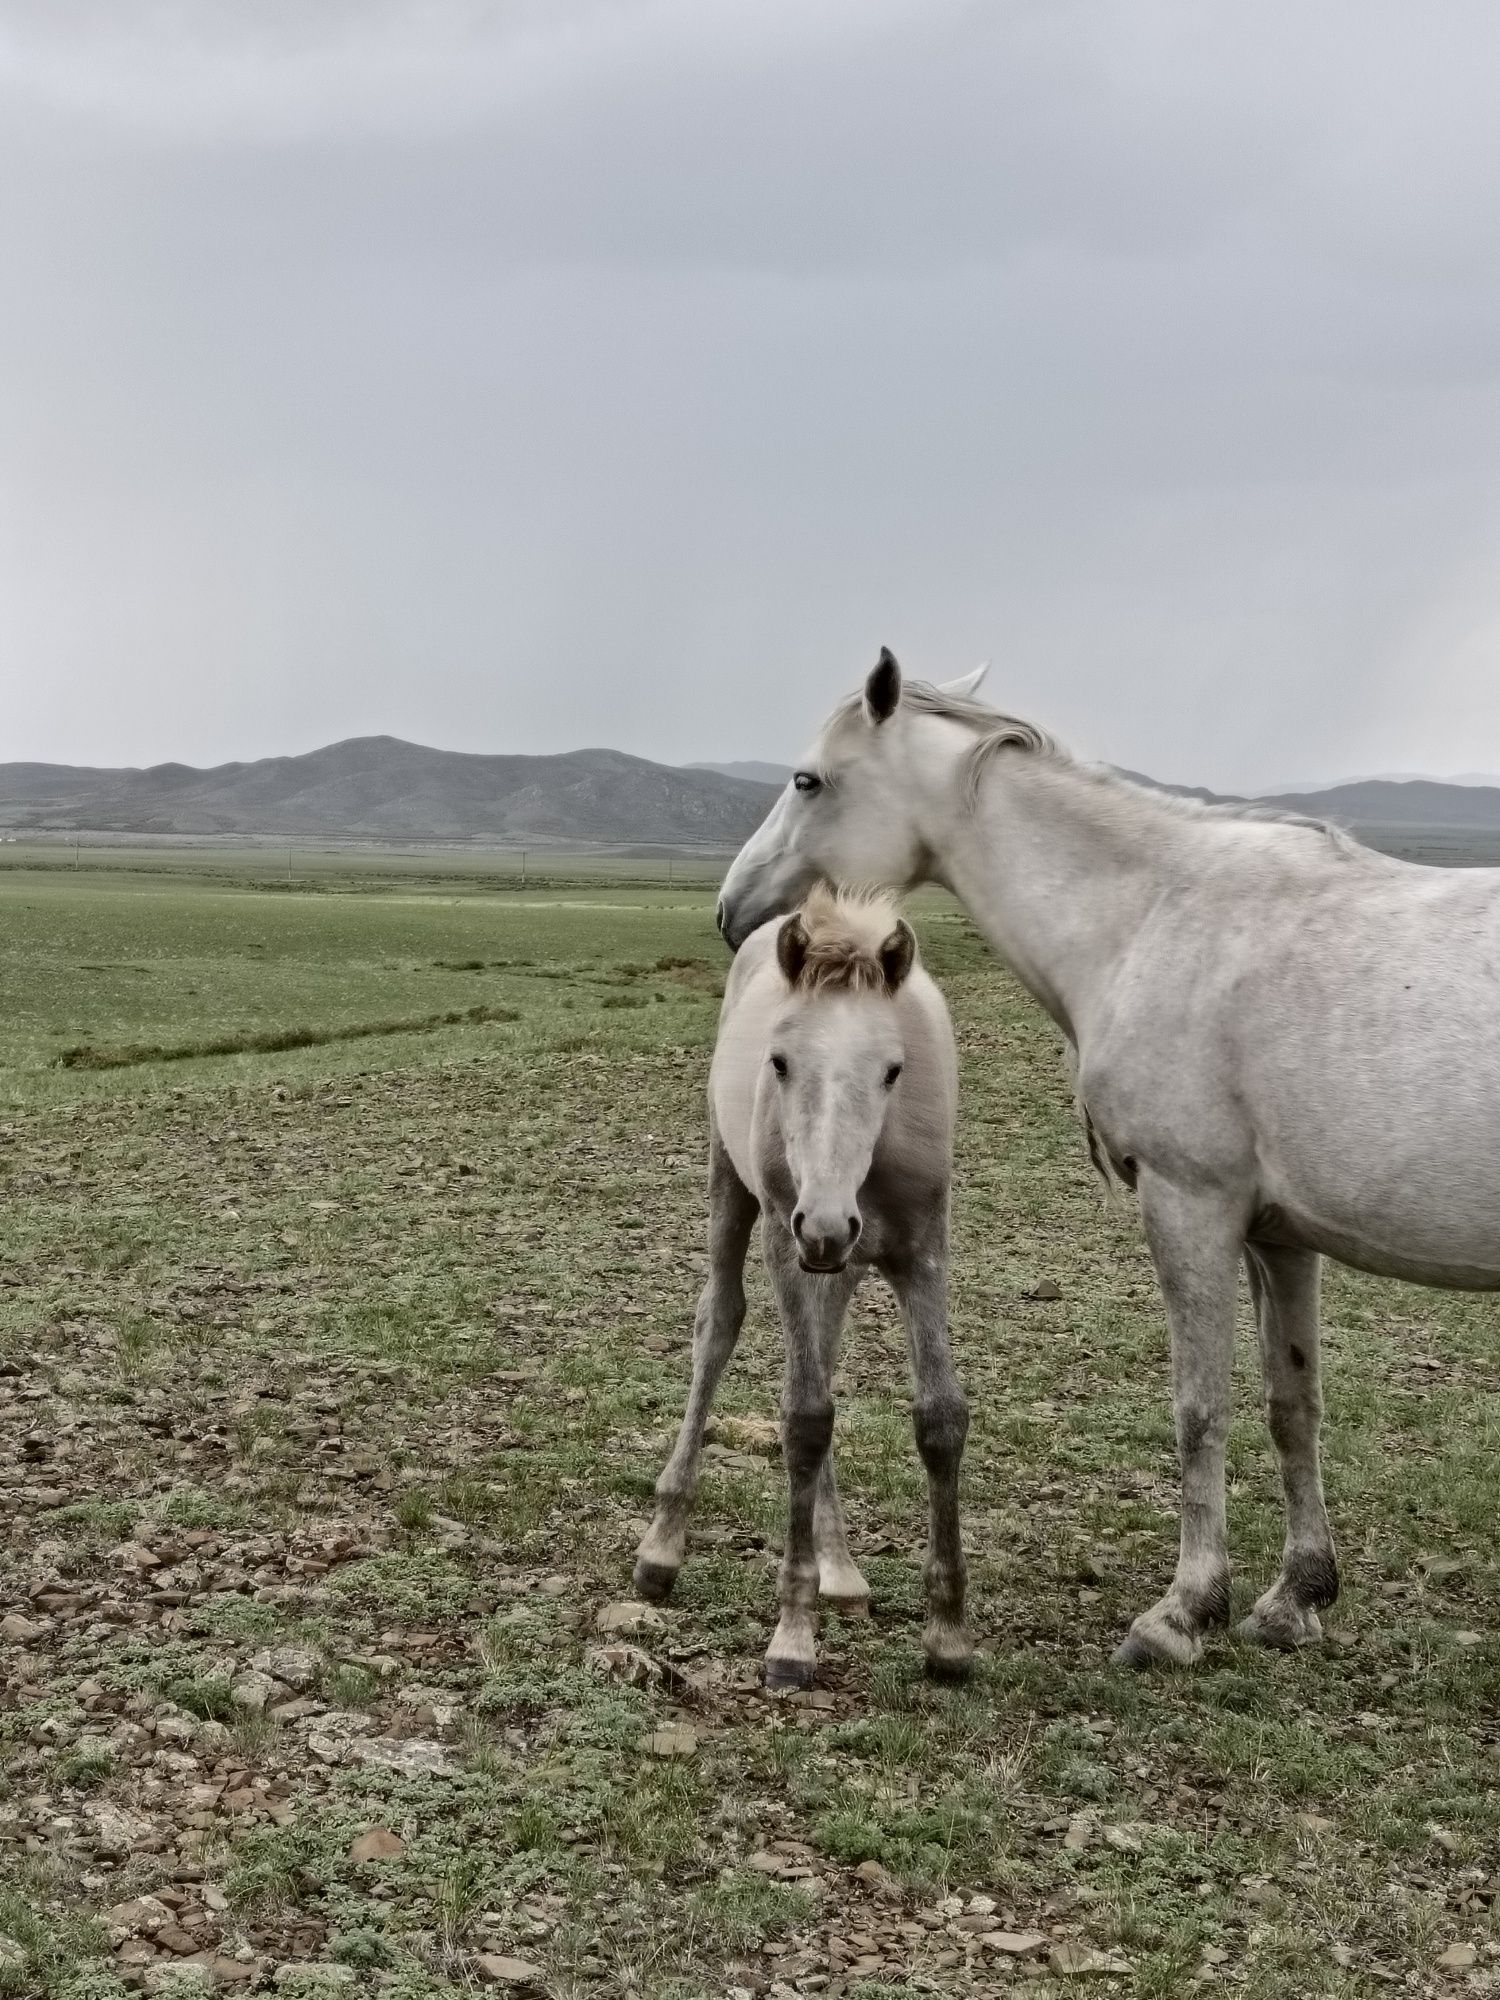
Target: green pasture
x=378 y=1340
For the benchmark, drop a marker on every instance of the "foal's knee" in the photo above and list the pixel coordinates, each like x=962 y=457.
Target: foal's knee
x=941 y=1423
x=806 y=1434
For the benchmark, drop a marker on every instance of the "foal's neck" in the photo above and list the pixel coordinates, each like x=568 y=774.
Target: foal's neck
x=1058 y=865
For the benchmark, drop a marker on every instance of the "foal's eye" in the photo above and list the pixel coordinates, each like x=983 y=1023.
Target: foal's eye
x=778 y=1063
x=891 y=1074
x=807 y=781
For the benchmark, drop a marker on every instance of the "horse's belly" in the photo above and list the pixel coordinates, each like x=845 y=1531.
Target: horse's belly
x=1439 y=1235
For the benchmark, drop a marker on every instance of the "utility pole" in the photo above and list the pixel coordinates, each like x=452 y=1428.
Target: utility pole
x=523 y=867
x=289 y=868
x=75 y=854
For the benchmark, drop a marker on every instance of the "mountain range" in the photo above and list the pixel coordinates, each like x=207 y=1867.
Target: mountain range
x=378 y=787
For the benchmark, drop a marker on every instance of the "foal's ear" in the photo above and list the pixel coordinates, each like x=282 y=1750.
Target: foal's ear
x=791 y=949
x=898 y=954
x=882 y=688
x=966 y=684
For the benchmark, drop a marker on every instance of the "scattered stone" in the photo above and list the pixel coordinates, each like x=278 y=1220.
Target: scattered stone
x=1014 y=1944
x=1081 y=1961
x=628 y=1617
x=1458 y=1958
x=413 y=1756
x=1047 y=1290
x=516 y=1972
x=1468 y=1638
x=677 y=1740
x=377 y=1843
x=254 y=1690
x=1311 y=1822
x=299 y=1667
x=20 y=1630
x=1124 y=1839
x=14 y=1959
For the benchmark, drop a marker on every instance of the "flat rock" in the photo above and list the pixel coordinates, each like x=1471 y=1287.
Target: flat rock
x=18 y=1629
x=1014 y=1944
x=1081 y=1961
x=514 y=1972
x=627 y=1616
x=1458 y=1958
x=299 y=1667
x=377 y=1843
x=413 y=1756
x=676 y=1740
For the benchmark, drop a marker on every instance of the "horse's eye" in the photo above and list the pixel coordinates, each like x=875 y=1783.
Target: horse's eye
x=778 y=1063
x=891 y=1074
x=807 y=781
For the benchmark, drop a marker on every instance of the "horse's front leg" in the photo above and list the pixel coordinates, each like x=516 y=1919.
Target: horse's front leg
x=812 y=1312
x=1284 y=1286
x=940 y=1419
x=840 y=1582
x=732 y=1210
x=1195 y=1242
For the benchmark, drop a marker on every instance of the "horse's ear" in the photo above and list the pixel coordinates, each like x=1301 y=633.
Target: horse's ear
x=966 y=684
x=791 y=949
x=898 y=955
x=882 y=688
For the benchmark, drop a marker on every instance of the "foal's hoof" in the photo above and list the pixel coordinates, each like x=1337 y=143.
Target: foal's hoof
x=653 y=1580
x=948 y=1653
x=788 y=1676
x=846 y=1607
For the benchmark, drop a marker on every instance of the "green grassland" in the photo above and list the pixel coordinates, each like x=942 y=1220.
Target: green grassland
x=351 y=1239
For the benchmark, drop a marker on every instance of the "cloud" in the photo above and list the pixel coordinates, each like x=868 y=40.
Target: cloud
x=528 y=375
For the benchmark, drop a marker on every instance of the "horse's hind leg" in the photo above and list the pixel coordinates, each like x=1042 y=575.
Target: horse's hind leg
x=1195 y=1242
x=721 y=1313
x=1284 y=1286
x=812 y=1312
x=940 y=1419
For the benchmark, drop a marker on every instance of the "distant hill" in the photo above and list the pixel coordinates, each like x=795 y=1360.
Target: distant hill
x=1400 y=802
x=380 y=787
x=750 y=767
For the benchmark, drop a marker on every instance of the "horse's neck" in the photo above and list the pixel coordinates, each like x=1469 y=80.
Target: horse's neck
x=1058 y=867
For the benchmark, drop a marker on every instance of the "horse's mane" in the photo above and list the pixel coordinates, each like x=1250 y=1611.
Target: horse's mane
x=994 y=732
x=846 y=931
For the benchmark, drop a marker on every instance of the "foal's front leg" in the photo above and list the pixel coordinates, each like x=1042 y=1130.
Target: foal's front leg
x=732 y=1210
x=812 y=1311
x=940 y=1419
x=1195 y=1244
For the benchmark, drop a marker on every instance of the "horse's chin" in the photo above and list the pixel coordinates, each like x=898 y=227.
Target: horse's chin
x=823 y=1270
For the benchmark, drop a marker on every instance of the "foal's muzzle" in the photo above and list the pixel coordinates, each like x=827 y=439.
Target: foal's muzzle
x=825 y=1243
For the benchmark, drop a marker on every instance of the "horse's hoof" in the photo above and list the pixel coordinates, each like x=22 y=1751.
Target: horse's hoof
x=787 y=1676
x=1162 y=1647
x=847 y=1607
x=653 y=1580
x=1283 y=1627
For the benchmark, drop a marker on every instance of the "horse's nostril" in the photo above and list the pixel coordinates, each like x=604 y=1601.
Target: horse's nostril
x=719 y=916
x=855 y=1225
x=797 y=1221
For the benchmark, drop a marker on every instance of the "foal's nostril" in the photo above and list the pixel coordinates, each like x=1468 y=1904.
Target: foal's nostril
x=797 y=1221
x=855 y=1225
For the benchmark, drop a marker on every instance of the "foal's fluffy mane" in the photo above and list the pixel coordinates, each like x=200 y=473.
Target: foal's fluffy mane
x=994 y=732
x=846 y=929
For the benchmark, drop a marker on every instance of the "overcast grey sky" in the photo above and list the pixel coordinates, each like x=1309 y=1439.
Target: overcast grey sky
x=521 y=376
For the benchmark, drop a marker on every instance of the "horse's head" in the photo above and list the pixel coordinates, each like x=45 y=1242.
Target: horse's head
x=855 y=809
x=834 y=1061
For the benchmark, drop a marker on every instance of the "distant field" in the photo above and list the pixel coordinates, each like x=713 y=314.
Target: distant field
x=363 y=1354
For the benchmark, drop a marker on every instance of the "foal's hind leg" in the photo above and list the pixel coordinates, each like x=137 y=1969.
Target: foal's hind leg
x=732 y=1210
x=940 y=1418
x=840 y=1582
x=1284 y=1286
x=812 y=1312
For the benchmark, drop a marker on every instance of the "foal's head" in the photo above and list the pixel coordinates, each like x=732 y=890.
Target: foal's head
x=836 y=1056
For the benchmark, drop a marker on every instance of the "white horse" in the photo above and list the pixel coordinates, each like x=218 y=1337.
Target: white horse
x=1288 y=1044
x=831 y=1116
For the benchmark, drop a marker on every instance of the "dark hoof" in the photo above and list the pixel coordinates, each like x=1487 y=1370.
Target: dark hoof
x=653 y=1581
x=950 y=1668
x=788 y=1676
